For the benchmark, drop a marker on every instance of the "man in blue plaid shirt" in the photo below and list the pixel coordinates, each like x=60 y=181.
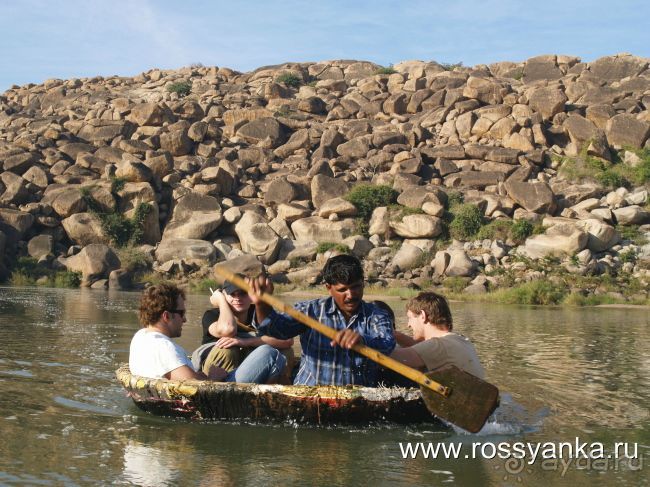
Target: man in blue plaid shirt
x=323 y=362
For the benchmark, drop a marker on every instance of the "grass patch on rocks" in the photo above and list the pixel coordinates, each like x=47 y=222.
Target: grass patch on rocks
x=516 y=230
x=120 y=230
x=181 y=88
x=466 y=221
x=28 y=272
x=367 y=197
x=327 y=246
x=386 y=70
x=289 y=79
x=613 y=174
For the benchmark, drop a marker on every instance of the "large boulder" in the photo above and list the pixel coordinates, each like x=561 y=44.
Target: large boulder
x=324 y=188
x=95 y=262
x=322 y=230
x=263 y=128
x=338 y=206
x=626 y=130
x=279 y=190
x=408 y=257
x=19 y=163
x=195 y=216
x=559 y=240
x=84 y=229
x=186 y=249
x=416 y=196
x=15 y=224
x=40 y=246
x=460 y=265
x=257 y=237
x=176 y=142
x=547 y=101
x=379 y=221
x=150 y=114
x=536 y=196
x=418 y=226
x=601 y=235
x=631 y=215
x=104 y=131
x=245 y=264
x=541 y=68
x=618 y=67
x=582 y=130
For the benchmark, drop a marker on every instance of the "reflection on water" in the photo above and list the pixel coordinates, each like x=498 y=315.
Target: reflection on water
x=64 y=419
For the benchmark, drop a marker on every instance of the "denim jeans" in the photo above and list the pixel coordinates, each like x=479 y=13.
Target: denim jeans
x=262 y=364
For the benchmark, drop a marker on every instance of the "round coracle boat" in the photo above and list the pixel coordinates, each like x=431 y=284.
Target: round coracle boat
x=207 y=400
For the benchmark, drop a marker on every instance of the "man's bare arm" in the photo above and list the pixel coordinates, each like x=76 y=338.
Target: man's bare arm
x=259 y=285
x=226 y=324
x=407 y=356
x=404 y=340
x=185 y=373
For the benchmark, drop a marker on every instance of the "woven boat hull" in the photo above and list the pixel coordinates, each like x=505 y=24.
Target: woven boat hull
x=206 y=400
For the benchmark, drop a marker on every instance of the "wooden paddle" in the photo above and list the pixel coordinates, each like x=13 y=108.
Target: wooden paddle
x=465 y=401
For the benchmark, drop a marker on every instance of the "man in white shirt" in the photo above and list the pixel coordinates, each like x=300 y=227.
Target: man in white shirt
x=153 y=354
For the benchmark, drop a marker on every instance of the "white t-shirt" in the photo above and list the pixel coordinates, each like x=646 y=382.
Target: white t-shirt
x=153 y=354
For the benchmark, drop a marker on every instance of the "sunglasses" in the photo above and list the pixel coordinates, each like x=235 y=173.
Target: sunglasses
x=177 y=311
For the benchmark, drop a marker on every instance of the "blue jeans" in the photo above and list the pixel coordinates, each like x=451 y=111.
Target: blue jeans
x=262 y=364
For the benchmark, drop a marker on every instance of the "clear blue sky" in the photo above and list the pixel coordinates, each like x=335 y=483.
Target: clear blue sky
x=43 y=39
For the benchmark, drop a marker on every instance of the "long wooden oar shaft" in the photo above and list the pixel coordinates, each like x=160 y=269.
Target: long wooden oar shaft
x=371 y=353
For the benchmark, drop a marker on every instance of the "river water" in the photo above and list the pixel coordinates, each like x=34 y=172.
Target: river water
x=565 y=374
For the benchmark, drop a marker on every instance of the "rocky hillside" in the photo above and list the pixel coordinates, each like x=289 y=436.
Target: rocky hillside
x=499 y=174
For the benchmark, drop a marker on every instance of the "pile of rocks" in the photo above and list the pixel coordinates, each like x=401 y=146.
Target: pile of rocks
x=253 y=167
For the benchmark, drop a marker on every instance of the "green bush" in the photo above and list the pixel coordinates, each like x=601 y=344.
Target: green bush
x=456 y=284
x=611 y=179
x=204 y=285
x=182 y=88
x=66 y=279
x=27 y=271
x=467 y=221
x=289 y=79
x=134 y=259
x=325 y=246
x=627 y=256
x=454 y=198
x=534 y=292
x=632 y=233
x=495 y=230
x=386 y=70
x=610 y=174
x=120 y=230
x=117 y=184
x=397 y=212
x=521 y=230
x=18 y=278
x=451 y=66
x=367 y=197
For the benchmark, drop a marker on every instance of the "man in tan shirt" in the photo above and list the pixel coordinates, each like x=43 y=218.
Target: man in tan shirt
x=433 y=344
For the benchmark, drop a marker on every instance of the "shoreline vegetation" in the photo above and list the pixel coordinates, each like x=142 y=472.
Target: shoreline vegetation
x=537 y=294
x=515 y=183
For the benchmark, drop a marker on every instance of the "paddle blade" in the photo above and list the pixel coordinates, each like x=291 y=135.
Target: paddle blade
x=470 y=402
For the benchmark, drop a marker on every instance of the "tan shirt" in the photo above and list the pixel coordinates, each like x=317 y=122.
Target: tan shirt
x=451 y=349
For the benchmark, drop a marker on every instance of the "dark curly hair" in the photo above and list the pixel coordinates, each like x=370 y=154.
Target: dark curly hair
x=342 y=269
x=157 y=299
x=435 y=308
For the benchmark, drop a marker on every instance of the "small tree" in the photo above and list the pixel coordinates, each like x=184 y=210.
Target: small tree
x=367 y=197
x=467 y=221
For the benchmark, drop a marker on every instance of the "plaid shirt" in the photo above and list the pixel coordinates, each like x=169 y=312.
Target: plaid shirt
x=323 y=364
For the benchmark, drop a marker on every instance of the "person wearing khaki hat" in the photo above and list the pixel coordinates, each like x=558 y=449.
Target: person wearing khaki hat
x=230 y=332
